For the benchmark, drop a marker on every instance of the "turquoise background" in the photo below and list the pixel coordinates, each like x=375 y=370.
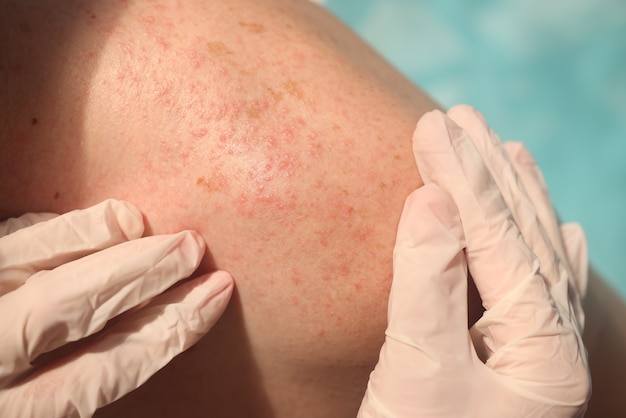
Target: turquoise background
x=549 y=73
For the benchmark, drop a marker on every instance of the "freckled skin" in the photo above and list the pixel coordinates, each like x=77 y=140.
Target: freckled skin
x=266 y=126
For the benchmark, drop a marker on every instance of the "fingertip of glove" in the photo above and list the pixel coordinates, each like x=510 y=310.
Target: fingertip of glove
x=462 y=112
x=427 y=127
x=435 y=131
x=128 y=217
x=427 y=202
x=216 y=288
x=218 y=282
x=475 y=124
x=192 y=244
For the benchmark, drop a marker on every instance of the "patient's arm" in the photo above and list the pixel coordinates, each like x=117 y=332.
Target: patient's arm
x=605 y=340
x=266 y=126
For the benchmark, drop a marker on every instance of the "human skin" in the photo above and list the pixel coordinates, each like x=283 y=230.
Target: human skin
x=266 y=126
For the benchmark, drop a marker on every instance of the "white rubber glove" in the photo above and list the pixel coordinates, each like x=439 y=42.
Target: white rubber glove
x=63 y=278
x=525 y=356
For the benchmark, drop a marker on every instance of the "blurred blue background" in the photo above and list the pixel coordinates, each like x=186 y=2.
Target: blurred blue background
x=549 y=73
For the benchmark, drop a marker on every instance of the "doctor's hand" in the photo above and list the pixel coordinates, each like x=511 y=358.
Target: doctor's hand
x=484 y=208
x=63 y=278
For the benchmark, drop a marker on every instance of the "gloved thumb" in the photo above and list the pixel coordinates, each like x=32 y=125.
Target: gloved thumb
x=427 y=307
x=429 y=289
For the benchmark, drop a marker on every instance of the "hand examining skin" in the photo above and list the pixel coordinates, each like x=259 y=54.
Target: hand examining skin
x=485 y=207
x=62 y=278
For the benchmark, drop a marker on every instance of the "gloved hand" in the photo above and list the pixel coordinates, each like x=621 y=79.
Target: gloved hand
x=484 y=206
x=62 y=278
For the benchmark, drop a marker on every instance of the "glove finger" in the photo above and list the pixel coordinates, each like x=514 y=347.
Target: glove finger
x=14 y=224
x=46 y=245
x=77 y=299
x=124 y=356
x=542 y=238
x=427 y=327
x=524 y=211
x=535 y=185
x=429 y=288
x=536 y=188
x=497 y=255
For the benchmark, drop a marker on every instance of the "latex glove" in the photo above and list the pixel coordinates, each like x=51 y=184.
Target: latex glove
x=63 y=278
x=525 y=356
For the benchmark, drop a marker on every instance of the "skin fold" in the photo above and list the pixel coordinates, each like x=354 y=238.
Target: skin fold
x=269 y=128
